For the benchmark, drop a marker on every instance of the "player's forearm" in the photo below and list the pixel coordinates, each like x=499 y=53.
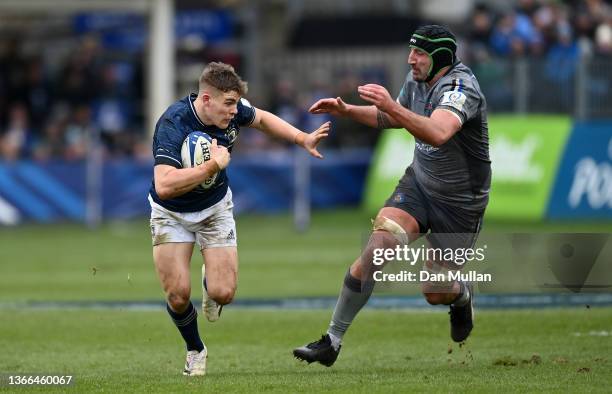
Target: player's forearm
x=179 y=181
x=279 y=128
x=422 y=127
x=371 y=116
x=365 y=114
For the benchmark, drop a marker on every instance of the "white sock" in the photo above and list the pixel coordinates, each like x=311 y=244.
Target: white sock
x=335 y=341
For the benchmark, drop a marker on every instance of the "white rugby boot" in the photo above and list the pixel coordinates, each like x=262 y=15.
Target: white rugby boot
x=195 y=363
x=210 y=308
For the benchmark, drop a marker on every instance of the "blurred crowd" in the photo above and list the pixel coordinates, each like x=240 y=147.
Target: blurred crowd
x=542 y=28
x=553 y=35
x=557 y=30
x=56 y=110
x=291 y=101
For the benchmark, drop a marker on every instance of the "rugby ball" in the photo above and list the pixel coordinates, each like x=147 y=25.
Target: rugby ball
x=195 y=151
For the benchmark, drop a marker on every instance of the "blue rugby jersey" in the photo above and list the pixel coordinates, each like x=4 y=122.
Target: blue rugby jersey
x=172 y=128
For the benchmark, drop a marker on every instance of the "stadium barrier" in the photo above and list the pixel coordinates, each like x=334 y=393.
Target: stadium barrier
x=544 y=167
x=57 y=191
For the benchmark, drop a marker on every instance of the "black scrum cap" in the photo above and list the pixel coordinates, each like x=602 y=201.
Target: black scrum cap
x=439 y=43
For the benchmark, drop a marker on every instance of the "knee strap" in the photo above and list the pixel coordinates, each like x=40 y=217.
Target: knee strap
x=382 y=223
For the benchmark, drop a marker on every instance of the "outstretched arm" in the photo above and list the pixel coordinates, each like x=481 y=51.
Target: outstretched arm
x=434 y=130
x=277 y=127
x=369 y=115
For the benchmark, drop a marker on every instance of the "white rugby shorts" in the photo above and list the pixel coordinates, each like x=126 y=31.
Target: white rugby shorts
x=213 y=227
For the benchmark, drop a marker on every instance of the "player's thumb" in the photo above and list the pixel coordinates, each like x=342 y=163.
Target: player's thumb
x=214 y=143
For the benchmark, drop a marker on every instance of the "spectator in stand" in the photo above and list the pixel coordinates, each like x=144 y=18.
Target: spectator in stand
x=515 y=35
x=39 y=96
x=107 y=88
x=113 y=109
x=528 y=7
x=14 y=142
x=347 y=132
x=52 y=143
x=78 y=83
x=603 y=38
x=561 y=63
x=79 y=132
x=481 y=28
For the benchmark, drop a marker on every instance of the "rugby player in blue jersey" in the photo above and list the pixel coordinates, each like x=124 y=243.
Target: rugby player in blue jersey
x=183 y=213
x=445 y=190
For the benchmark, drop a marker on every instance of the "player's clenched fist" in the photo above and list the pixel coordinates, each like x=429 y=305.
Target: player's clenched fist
x=219 y=154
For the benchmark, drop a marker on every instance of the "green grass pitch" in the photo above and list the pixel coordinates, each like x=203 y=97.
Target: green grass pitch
x=556 y=350
x=250 y=351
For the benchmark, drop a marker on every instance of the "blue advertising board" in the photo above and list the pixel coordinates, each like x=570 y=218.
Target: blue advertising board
x=583 y=185
x=56 y=191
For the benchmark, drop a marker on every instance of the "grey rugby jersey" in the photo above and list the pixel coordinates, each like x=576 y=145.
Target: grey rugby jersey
x=459 y=171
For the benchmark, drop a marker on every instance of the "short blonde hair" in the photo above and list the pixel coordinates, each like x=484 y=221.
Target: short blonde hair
x=222 y=77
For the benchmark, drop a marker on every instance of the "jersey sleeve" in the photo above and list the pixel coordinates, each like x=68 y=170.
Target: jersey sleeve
x=246 y=113
x=167 y=144
x=459 y=97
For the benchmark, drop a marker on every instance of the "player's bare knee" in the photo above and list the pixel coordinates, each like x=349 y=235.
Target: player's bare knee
x=435 y=298
x=178 y=299
x=222 y=294
x=226 y=296
x=434 y=293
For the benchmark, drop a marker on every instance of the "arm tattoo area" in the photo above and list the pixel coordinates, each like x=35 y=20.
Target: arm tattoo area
x=382 y=120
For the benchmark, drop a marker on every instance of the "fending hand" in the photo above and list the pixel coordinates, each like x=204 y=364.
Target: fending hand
x=332 y=106
x=312 y=140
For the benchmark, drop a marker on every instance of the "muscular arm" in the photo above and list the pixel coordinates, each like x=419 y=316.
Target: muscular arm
x=172 y=182
x=277 y=127
x=371 y=116
x=434 y=130
x=368 y=115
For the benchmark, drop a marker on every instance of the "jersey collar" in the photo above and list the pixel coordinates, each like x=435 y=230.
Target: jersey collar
x=451 y=68
x=192 y=97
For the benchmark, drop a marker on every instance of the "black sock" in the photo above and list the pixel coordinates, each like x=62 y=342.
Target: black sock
x=187 y=324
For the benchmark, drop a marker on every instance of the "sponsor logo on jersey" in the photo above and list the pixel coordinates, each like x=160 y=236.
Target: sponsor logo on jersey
x=231 y=133
x=426 y=148
x=399 y=198
x=453 y=99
